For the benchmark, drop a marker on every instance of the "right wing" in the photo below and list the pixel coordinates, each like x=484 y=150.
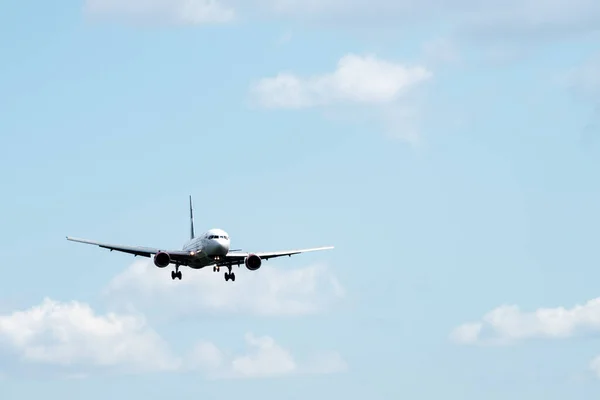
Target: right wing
x=237 y=257
x=177 y=256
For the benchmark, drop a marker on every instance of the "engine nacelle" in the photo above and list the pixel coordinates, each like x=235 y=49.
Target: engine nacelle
x=253 y=262
x=162 y=259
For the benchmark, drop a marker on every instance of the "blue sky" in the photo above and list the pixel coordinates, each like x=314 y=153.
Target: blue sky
x=450 y=153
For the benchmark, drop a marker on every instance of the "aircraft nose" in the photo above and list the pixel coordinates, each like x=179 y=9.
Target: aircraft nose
x=221 y=247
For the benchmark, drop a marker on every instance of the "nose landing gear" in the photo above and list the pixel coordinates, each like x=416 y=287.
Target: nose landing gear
x=176 y=273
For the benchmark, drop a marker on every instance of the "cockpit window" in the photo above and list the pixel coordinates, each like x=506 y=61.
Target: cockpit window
x=218 y=237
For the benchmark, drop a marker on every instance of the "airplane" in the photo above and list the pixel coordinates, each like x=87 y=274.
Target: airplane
x=210 y=248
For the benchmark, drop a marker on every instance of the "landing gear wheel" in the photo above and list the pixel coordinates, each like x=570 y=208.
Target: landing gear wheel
x=229 y=275
x=176 y=273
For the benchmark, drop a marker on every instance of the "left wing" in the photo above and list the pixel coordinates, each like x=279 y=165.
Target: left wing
x=177 y=256
x=237 y=257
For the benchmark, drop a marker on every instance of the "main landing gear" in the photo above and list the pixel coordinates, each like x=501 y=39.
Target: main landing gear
x=176 y=273
x=228 y=275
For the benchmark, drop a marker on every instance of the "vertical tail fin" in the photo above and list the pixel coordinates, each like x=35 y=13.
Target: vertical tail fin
x=191 y=220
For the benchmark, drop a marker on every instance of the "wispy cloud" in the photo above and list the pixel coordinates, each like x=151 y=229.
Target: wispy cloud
x=284 y=38
x=583 y=82
x=441 y=50
x=514 y=20
x=494 y=18
x=584 y=79
x=163 y=11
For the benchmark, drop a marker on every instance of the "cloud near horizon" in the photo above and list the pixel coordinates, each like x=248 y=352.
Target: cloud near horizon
x=265 y=359
x=71 y=334
x=75 y=340
x=71 y=337
x=508 y=324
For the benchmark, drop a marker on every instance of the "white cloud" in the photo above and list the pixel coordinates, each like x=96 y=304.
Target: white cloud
x=265 y=358
x=171 y=11
x=385 y=89
x=268 y=359
x=507 y=324
x=270 y=291
x=72 y=337
x=357 y=79
x=205 y=356
x=71 y=334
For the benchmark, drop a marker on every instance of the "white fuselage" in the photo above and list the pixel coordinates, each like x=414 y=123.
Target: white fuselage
x=212 y=243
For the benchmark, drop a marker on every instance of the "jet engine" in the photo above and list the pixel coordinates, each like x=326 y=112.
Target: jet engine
x=162 y=259
x=253 y=262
